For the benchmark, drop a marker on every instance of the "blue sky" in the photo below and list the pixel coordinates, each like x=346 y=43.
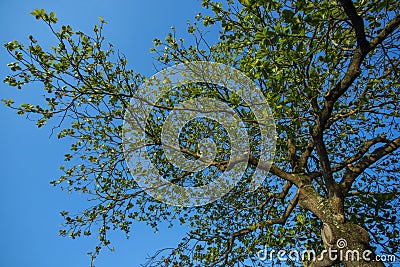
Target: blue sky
x=30 y=158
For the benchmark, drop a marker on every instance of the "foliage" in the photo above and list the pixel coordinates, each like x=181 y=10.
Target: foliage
x=330 y=71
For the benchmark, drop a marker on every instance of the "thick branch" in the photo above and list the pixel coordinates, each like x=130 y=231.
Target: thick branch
x=274 y=169
x=385 y=32
x=324 y=160
x=306 y=154
x=333 y=95
x=277 y=171
x=354 y=68
x=364 y=149
x=358 y=24
x=354 y=170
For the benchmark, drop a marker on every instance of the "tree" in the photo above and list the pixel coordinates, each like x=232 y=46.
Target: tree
x=330 y=73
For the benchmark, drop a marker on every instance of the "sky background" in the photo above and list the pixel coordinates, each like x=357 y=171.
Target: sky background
x=30 y=158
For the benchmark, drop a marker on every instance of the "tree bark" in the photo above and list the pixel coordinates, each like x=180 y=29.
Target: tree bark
x=344 y=242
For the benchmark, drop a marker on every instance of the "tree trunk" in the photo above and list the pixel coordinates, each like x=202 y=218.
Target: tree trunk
x=349 y=244
x=344 y=242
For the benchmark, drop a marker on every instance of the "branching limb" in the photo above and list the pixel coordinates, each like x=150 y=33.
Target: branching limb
x=274 y=169
x=364 y=149
x=340 y=88
x=354 y=170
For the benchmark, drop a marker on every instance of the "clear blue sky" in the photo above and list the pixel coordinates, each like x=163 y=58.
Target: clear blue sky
x=30 y=206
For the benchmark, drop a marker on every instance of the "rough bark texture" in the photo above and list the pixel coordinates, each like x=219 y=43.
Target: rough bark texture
x=344 y=241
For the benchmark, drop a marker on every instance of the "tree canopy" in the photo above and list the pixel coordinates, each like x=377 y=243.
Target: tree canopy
x=329 y=71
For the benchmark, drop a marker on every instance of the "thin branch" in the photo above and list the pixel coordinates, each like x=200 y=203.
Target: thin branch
x=281 y=220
